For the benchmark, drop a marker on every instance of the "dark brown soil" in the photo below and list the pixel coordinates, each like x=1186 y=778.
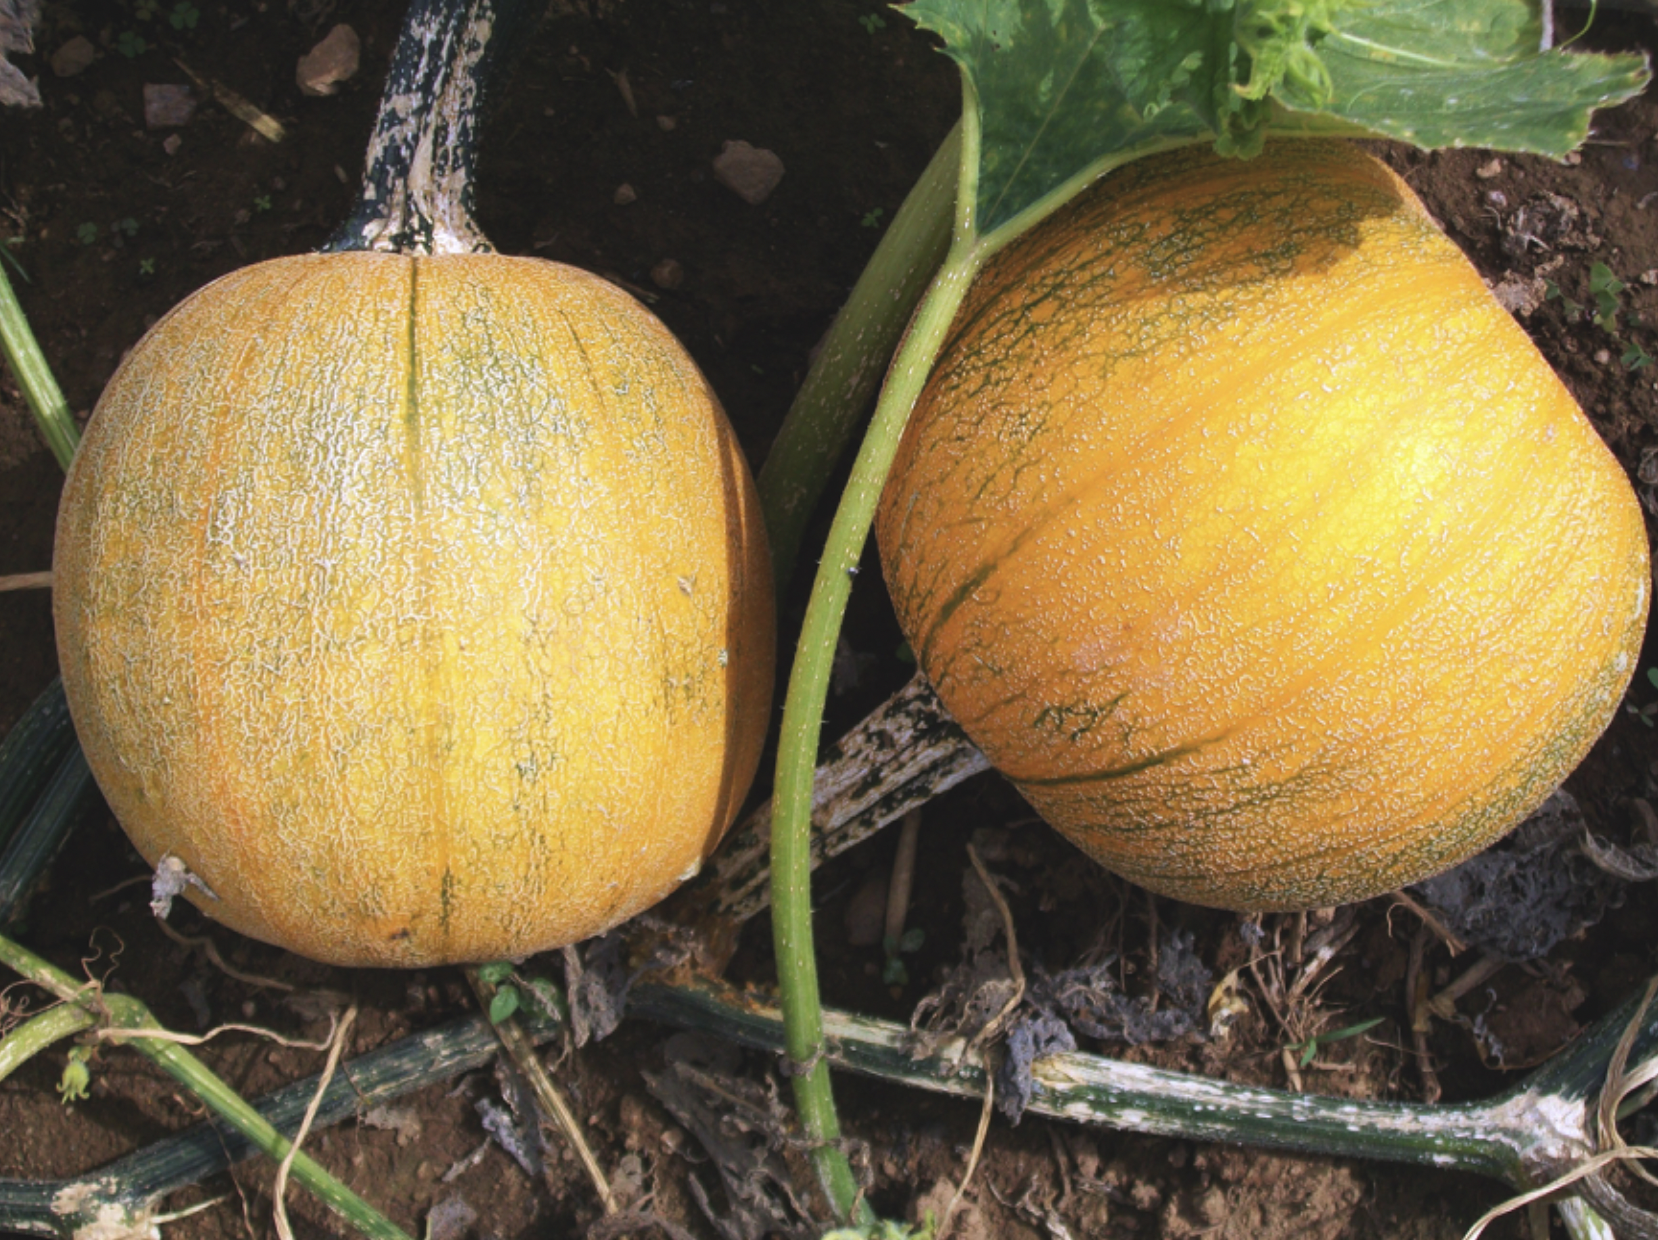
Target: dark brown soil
x=116 y=228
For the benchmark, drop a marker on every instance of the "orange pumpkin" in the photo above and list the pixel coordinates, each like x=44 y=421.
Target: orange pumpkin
x=1246 y=533
x=419 y=606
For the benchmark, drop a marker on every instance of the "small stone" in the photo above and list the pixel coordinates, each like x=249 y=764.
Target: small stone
x=334 y=60
x=750 y=172
x=1602 y=356
x=172 y=143
x=1650 y=276
x=667 y=124
x=167 y=107
x=74 y=57
x=1488 y=170
x=1573 y=159
x=624 y=194
x=668 y=274
x=450 y=1219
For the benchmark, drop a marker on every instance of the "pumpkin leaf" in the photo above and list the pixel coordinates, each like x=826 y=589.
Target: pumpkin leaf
x=1465 y=73
x=1066 y=89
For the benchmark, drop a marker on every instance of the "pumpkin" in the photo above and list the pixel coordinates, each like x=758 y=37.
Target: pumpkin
x=418 y=605
x=1252 y=539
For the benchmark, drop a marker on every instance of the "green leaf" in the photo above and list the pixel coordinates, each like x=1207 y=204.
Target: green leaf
x=1060 y=84
x=1464 y=73
x=1065 y=89
x=495 y=973
x=504 y=1004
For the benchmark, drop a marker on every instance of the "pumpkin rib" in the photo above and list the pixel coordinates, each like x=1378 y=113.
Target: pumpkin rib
x=628 y=500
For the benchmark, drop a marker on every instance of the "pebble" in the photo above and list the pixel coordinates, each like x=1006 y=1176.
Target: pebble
x=450 y=1219
x=172 y=144
x=74 y=57
x=624 y=194
x=167 y=107
x=667 y=124
x=750 y=172
x=1488 y=170
x=668 y=274
x=1603 y=356
x=334 y=60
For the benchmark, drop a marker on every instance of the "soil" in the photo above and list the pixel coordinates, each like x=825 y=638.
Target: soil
x=118 y=222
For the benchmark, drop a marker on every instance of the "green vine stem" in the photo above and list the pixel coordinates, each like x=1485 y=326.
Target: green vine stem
x=31 y=753
x=39 y=1032
x=1526 y=1136
x=808 y=692
x=43 y=832
x=133 y=1186
x=23 y=354
x=849 y=367
x=124 y=1012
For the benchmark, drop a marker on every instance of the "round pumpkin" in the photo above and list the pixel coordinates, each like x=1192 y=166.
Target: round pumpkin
x=1251 y=538
x=419 y=605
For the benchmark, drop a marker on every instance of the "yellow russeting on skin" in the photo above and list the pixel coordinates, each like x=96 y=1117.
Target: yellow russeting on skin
x=1254 y=541
x=420 y=606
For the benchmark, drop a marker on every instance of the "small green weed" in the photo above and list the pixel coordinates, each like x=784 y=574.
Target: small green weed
x=184 y=16
x=1552 y=292
x=262 y=203
x=513 y=990
x=871 y=22
x=126 y=226
x=886 y=1229
x=1634 y=357
x=87 y=233
x=131 y=44
x=1310 y=1048
x=872 y=219
x=1604 y=287
x=146 y=266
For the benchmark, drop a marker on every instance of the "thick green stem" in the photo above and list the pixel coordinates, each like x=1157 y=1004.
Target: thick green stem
x=34 y=376
x=125 y=1012
x=809 y=691
x=38 y=1033
x=848 y=369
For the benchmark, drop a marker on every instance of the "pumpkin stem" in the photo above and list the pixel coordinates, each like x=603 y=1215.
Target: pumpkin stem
x=418 y=189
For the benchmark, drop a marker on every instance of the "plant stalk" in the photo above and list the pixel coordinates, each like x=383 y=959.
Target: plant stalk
x=809 y=691
x=132 y=1186
x=848 y=369
x=28 y=365
x=1518 y=1137
x=418 y=190
x=39 y=1032
x=125 y=1012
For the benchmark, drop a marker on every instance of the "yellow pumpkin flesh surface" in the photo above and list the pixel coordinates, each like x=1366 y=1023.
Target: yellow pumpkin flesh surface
x=1253 y=540
x=419 y=606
